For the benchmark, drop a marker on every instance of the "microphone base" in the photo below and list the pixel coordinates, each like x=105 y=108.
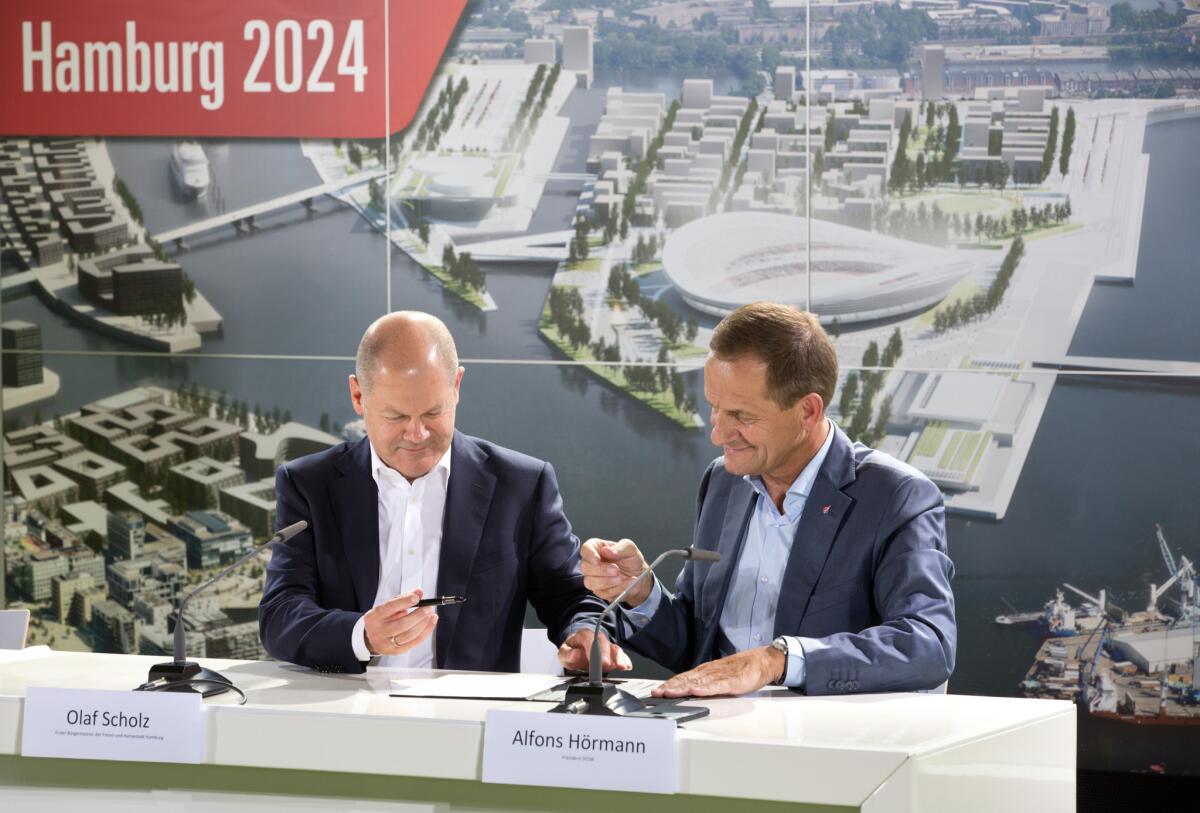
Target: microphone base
x=609 y=700
x=173 y=672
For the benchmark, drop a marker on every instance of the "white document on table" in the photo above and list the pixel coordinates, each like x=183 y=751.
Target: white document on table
x=478 y=687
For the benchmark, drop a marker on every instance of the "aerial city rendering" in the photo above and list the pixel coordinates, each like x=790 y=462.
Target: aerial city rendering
x=988 y=205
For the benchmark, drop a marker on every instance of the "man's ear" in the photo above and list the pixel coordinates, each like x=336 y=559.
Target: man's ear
x=813 y=407
x=356 y=394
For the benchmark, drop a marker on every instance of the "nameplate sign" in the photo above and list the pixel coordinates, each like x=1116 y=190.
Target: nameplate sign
x=134 y=726
x=580 y=751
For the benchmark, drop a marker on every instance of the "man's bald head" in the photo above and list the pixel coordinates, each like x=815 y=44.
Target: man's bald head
x=405 y=341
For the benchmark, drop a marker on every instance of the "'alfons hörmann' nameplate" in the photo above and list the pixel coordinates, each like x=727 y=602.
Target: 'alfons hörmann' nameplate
x=580 y=751
x=137 y=726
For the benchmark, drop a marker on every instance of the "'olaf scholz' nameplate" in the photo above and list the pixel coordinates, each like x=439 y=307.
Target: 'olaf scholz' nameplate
x=134 y=726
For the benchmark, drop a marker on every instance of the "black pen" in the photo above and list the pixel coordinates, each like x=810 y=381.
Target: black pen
x=441 y=601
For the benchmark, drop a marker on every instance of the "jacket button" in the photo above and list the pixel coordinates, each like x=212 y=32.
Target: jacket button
x=831 y=684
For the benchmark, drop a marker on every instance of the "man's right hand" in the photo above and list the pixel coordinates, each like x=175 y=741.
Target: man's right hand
x=609 y=567
x=394 y=627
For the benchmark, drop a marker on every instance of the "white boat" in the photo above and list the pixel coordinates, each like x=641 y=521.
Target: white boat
x=189 y=167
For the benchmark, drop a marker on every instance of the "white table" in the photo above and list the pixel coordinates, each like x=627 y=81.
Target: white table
x=875 y=753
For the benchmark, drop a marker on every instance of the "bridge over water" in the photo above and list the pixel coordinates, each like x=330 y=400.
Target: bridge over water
x=246 y=215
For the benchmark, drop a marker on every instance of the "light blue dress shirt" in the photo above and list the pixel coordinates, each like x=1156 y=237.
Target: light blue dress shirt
x=748 y=617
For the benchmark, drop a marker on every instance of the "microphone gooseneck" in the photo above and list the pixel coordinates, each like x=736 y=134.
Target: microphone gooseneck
x=283 y=535
x=182 y=675
x=608 y=699
x=595 y=672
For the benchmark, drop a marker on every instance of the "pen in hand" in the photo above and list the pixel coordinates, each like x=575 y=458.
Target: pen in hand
x=441 y=601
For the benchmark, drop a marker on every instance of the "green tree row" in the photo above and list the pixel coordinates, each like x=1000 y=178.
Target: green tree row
x=735 y=153
x=856 y=405
x=565 y=306
x=579 y=248
x=624 y=287
x=131 y=203
x=983 y=303
x=531 y=94
x=648 y=163
x=646 y=249
x=540 y=107
x=463 y=269
x=437 y=121
x=1064 y=158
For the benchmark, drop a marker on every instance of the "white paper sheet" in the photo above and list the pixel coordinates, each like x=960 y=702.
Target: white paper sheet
x=483 y=687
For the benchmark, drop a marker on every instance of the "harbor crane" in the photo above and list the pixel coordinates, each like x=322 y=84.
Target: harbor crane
x=1184 y=572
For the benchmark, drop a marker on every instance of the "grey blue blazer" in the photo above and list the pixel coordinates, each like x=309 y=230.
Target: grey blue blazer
x=868 y=574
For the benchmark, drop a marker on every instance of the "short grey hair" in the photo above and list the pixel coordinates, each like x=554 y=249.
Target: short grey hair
x=403 y=332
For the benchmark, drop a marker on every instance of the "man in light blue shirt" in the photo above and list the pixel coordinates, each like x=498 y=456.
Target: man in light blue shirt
x=833 y=576
x=748 y=618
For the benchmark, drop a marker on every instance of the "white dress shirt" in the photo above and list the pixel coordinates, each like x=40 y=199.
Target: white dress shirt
x=410 y=543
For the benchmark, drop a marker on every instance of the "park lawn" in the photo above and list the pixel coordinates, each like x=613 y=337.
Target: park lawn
x=1028 y=235
x=455 y=287
x=1053 y=231
x=931 y=439
x=951 y=448
x=661 y=402
x=957 y=203
x=966 y=449
x=963 y=290
x=590 y=264
x=979 y=451
x=642 y=269
x=688 y=351
x=509 y=165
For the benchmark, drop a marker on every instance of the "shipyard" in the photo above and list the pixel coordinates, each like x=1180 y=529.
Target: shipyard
x=1134 y=667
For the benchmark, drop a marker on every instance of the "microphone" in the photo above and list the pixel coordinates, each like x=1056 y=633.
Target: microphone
x=595 y=676
x=597 y=697
x=182 y=675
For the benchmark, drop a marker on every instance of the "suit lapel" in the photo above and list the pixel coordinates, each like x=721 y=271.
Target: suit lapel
x=355 y=499
x=468 y=497
x=738 y=508
x=824 y=511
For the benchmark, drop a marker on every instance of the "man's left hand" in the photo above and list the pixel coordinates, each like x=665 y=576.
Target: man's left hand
x=743 y=672
x=576 y=650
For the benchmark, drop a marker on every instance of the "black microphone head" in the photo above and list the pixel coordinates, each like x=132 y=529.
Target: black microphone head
x=287 y=533
x=700 y=555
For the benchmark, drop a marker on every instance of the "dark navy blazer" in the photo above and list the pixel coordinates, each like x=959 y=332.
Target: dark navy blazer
x=505 y=539
x=868 y=575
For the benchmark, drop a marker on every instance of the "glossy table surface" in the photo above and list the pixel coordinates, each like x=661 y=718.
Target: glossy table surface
x=870 y=752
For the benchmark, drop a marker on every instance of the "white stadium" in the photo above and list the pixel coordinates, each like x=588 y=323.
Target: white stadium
x=723 y=261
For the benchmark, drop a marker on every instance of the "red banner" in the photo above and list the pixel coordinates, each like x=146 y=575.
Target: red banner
x=255 y=68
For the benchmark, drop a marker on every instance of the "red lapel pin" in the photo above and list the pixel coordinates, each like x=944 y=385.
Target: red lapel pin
x=825 y=510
